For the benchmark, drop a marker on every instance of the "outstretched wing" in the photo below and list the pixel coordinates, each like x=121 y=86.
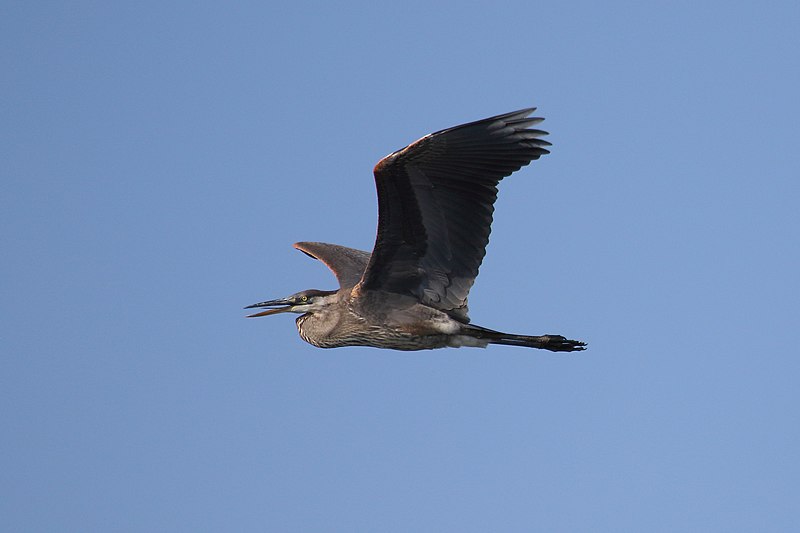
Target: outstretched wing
x=347 y=264
x=435 y=203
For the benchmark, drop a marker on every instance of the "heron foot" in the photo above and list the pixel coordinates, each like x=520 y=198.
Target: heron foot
x=559 y=343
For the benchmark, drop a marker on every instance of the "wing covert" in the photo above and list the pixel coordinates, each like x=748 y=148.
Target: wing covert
x=347 y=264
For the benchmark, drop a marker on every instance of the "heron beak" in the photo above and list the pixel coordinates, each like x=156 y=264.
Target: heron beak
x=287 y=306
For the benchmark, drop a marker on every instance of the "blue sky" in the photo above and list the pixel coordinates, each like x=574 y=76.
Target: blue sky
x=158 y=161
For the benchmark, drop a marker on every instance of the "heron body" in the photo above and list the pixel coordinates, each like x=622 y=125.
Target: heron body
x=344 y=319
x=435 y=203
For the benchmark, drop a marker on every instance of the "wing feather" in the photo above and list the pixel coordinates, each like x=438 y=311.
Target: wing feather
x=347 y=264
x=435 y=204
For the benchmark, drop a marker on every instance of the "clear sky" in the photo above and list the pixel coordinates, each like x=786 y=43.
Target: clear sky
x=158 y=160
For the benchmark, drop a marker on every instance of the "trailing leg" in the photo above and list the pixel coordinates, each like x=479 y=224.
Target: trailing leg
x=554 y=343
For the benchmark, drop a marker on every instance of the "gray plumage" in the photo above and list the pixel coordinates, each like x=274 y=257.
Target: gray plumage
x=435 y=203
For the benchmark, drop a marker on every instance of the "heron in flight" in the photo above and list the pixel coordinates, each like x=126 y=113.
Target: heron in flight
x=435 y=203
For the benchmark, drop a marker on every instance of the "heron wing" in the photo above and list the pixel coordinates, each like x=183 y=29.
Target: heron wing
x=347 y=264
x=435 y=203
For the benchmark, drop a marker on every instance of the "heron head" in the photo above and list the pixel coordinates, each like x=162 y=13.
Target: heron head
x=306 y=301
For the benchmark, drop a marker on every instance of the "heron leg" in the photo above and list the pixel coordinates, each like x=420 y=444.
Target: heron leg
x=554 y=343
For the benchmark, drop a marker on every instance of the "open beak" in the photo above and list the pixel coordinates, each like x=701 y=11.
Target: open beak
x=281 y=305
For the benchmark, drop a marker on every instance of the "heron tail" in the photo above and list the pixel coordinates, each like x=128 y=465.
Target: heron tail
x=554 y=343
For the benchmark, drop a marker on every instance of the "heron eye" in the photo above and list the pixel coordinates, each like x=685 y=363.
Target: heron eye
x=304 y=298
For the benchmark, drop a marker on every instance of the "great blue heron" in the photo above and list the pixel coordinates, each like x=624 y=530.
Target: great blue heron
x=435 y=202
